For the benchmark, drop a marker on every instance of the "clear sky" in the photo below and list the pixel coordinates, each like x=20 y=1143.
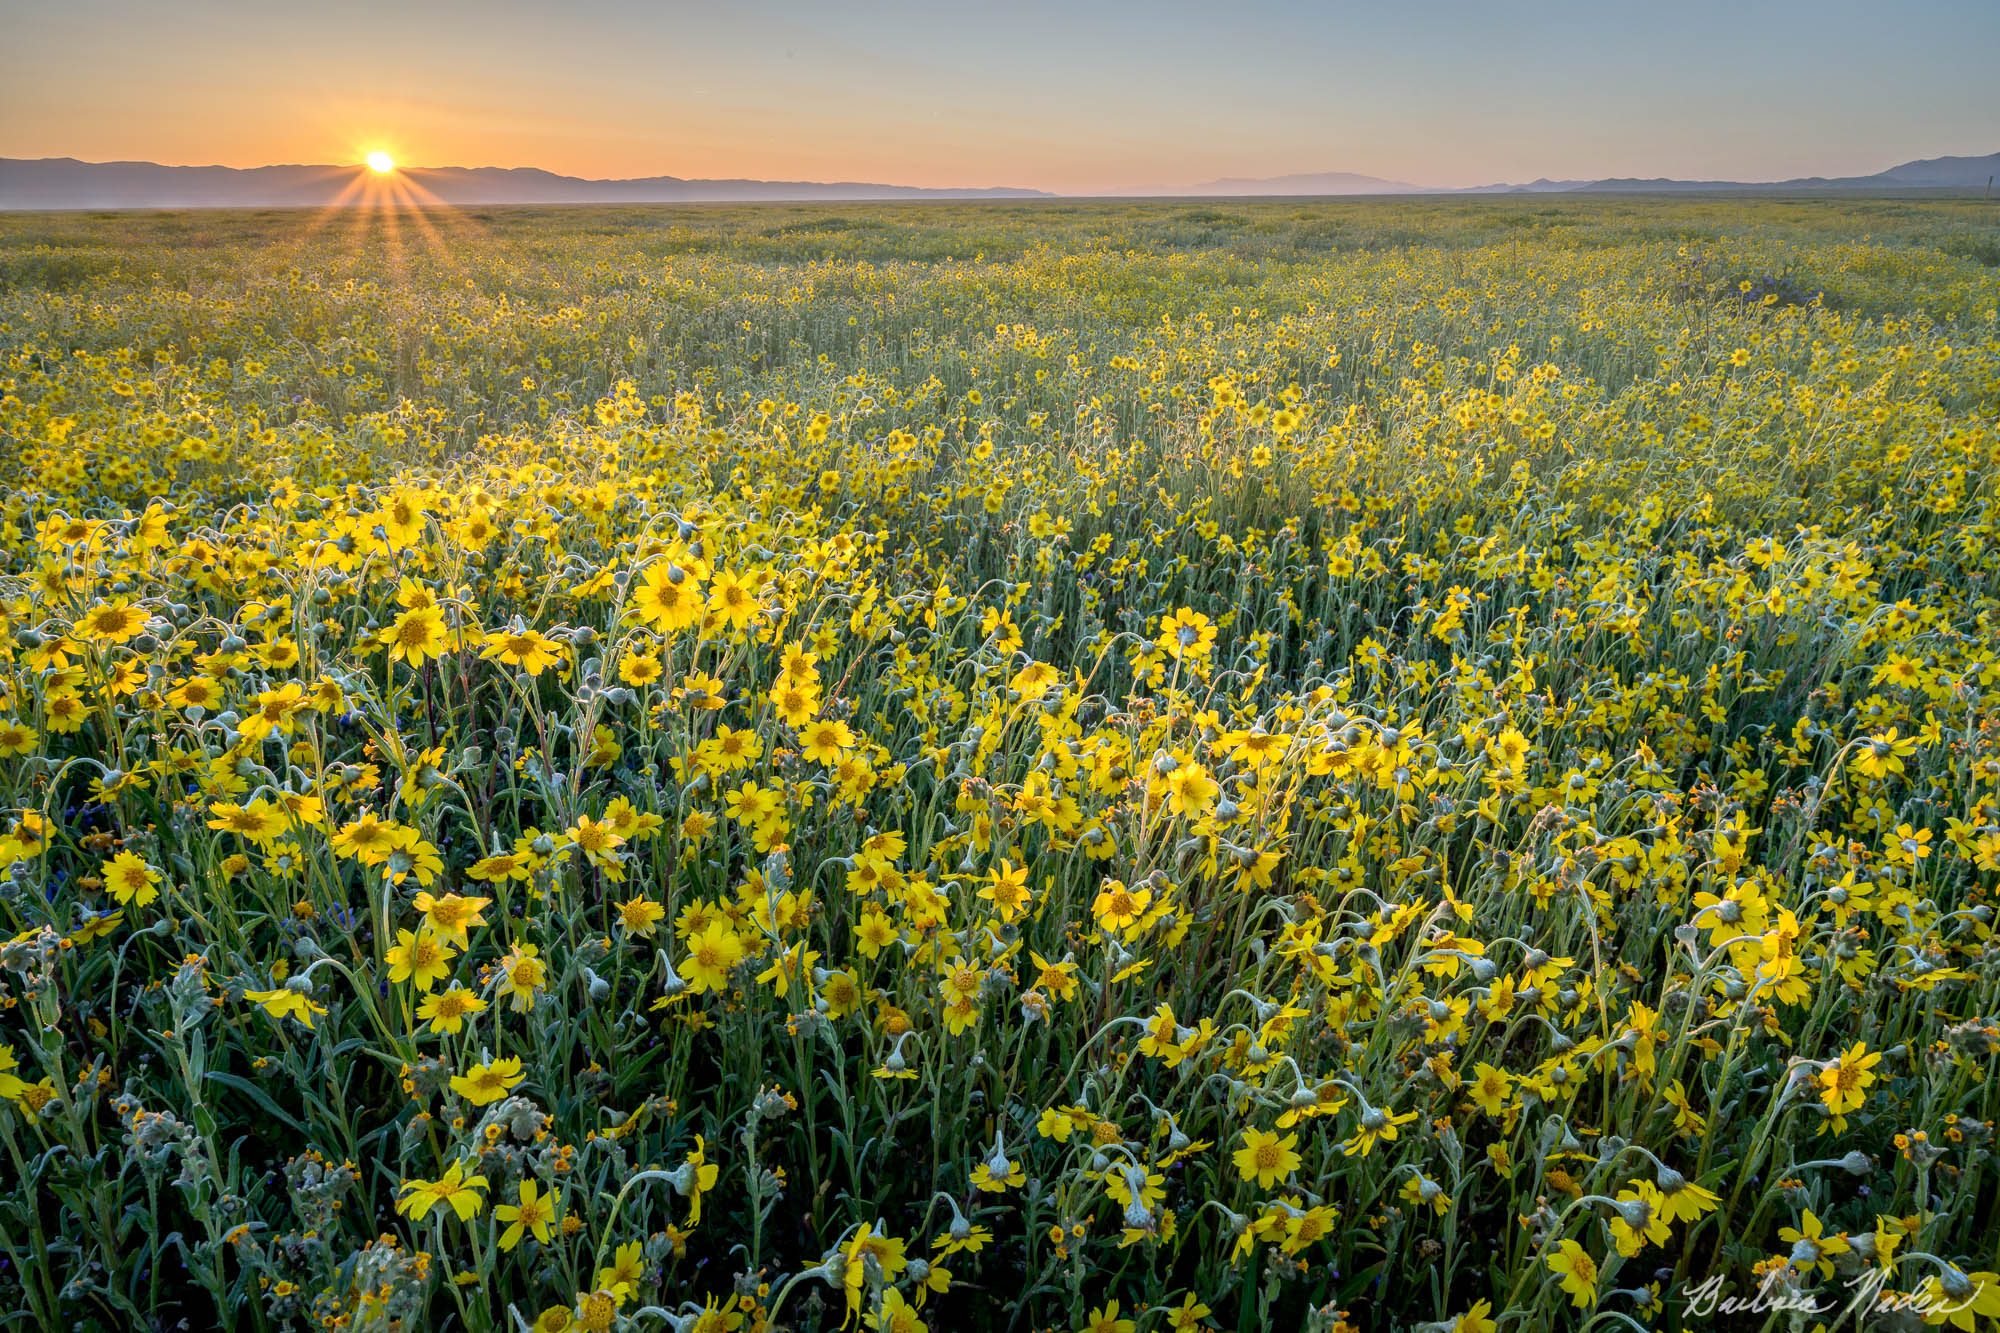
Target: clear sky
x=1063 y=96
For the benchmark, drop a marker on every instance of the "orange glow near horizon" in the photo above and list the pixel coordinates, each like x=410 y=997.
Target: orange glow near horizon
x=380 y=162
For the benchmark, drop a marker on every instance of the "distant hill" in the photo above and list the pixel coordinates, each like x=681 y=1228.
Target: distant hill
x=1541 y=186
x=64 y=182
x=1943 y=172
x=1933 y=173
x=1301 y=184
x=1936 y=173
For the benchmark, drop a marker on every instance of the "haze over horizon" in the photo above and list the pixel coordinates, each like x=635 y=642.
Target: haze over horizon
x=1071 y=102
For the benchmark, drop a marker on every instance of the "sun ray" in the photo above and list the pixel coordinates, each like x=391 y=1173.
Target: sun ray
x=341 y=203
x=392 y=209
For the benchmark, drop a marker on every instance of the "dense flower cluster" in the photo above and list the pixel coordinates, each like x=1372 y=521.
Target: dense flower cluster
x=1099 y=768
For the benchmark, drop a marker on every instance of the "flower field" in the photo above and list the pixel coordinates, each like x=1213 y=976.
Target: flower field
x=1083 y=767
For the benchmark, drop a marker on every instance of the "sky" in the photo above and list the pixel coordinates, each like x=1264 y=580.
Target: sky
x=1078 y=97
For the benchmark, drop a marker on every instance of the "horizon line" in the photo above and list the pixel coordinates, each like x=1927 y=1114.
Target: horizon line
x=1218 y=188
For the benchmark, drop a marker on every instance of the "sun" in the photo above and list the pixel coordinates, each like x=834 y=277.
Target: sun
x=380 y=162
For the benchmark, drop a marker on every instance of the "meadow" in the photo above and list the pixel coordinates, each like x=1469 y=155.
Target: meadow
x=1118 y=768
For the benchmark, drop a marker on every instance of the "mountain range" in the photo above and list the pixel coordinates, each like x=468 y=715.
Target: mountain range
x=1932 y=173
x=1306 y=183
x=66 y=183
